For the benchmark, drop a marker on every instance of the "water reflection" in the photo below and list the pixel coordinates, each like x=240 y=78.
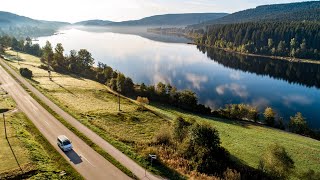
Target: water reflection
x=293 y=72
x=217 y=77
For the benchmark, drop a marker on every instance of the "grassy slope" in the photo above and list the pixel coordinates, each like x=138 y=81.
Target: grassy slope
x=93 y=105
x=247 y=142
x=36 y=156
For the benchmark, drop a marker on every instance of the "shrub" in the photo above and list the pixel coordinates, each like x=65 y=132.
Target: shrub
x=180 y=128
x=238 y=112
x=276 y=162
x=25 y=72
x=280 y=124
x=143 y=100
x=269 y=116
x=202 y=148
x=298 y=124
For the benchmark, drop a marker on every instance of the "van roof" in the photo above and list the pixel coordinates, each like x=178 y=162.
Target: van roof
x=63 y=138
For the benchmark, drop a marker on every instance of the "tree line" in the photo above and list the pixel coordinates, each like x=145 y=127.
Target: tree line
x=290 y=39
x=21 y=45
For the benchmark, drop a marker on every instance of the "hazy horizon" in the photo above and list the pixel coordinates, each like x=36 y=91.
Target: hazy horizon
x=122 y=10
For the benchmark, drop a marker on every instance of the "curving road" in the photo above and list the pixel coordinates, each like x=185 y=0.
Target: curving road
x=83 y=158
x=136 y=169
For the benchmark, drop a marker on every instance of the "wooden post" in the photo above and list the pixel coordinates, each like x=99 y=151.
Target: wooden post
x=119 y=101
x=5 y=128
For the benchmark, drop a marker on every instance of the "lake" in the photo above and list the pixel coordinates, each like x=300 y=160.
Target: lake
x=217 y=77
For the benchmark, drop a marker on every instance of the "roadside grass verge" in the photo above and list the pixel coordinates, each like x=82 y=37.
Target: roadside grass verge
x=37 y=157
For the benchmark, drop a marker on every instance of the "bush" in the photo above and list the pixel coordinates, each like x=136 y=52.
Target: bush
x=238 y=112
x=269 y=116
x=25 y=72
x=280 y=124
x=298 y=124
x=143 y=100
x=202 y=148
x=276 y=162
x=180 y=128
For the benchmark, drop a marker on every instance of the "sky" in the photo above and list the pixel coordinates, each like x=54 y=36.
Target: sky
x=120 y=10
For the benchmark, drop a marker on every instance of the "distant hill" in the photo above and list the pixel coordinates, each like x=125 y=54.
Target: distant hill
x=171 y=19
x=309 y=11
x=13 y=24
x=10 y=19
x=95 y=22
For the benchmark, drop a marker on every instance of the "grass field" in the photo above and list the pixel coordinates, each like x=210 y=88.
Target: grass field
x=247 y=142
x=7 y=158
x=36 y=157
x=93 y=105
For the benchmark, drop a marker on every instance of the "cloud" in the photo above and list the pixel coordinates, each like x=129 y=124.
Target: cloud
x=235 y=76
x=296 y=99
x=196 y=80
x=235 y=89
x=213 y=104
x=260 y=103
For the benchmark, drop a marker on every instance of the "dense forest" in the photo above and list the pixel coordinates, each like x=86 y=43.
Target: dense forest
x=302 y=11
x=290 y=39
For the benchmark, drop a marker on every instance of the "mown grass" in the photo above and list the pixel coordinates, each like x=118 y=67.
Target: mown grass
x=129 y=130
x=36 y=156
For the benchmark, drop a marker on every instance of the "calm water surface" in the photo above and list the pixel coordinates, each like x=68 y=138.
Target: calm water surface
x=217 y=77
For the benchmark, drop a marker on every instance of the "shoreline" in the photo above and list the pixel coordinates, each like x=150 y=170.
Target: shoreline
x=289 y=59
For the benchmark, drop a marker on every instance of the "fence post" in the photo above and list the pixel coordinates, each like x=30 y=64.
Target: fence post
x=5 y=127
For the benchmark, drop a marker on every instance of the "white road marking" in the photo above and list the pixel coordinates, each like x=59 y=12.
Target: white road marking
x=47 y=122
x=86 y=160
x=34 y=108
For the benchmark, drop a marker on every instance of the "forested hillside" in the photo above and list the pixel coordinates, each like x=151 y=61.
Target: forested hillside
x=291 y=39
x=304 y=11
x=171 y=19
x=20 y=26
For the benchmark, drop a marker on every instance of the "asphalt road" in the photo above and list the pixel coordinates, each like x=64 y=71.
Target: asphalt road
x=83 y=158
x=136 y=169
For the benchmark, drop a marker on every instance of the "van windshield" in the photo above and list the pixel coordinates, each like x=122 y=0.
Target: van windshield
x=66 y=142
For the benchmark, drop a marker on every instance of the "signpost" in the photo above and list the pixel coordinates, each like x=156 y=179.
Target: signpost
x=152 y=158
